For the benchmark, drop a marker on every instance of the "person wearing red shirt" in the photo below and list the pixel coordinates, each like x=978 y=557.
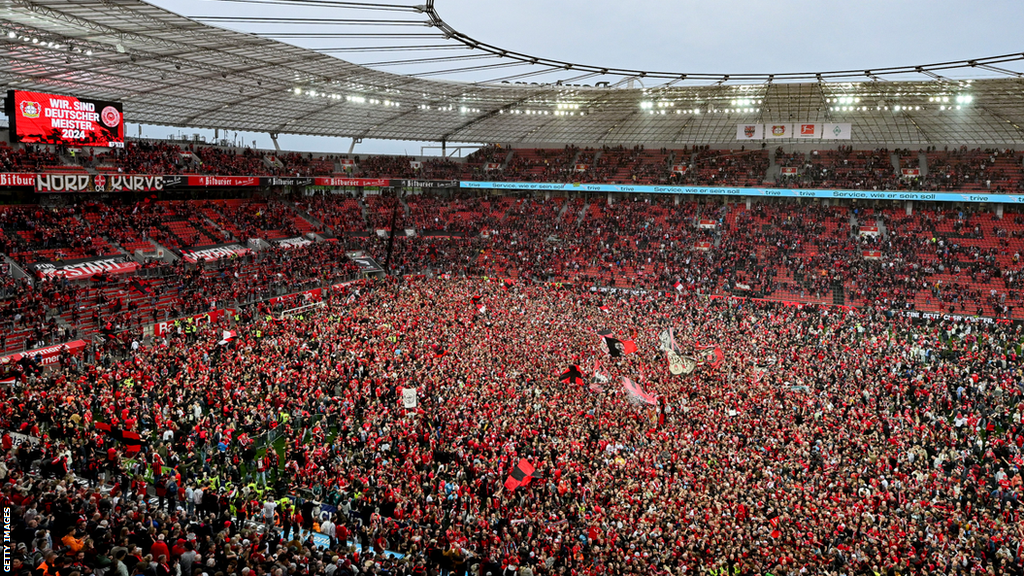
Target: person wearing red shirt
x=160 y=548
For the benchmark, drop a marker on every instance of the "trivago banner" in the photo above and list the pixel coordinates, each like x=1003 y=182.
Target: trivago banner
x=755 y=192
x=215 y=252
x=48 y=355
x=85 y=268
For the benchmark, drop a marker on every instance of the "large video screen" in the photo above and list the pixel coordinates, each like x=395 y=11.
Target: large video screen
x=41 y=118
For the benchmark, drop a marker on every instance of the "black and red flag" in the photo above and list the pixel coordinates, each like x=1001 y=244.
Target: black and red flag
x=572 y=375
x=616 y=347
x=508 y=283
x=520 y=475
x=711 y=354
x=131 y=440
x=476 y=304
x=439 y=350
x=140 y=287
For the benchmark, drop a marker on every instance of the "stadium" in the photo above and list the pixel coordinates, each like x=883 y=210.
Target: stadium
x=610 y=321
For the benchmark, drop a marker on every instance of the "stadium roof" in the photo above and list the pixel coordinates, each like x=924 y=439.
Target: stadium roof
x=175 y=71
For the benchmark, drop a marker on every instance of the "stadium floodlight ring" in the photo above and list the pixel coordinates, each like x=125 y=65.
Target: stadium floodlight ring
x=834 y=75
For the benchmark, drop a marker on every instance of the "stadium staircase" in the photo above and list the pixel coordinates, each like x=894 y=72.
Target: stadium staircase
x=315 y=222
x=922 y=162
x=365 y=211
x=508 y=158
x=405 y=209
x=583 y=213
x=838 y=293
x=774 y=170
x=561 y=213
x=883 y=233
x=894 y=158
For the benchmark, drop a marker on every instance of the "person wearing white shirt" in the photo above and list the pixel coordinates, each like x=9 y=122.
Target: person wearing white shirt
x=327 y=529
x=268 y=512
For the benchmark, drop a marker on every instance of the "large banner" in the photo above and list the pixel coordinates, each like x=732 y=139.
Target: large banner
x=48 y=355
x=65 y=183
x=215 y=252
x=755 y=192
x=86 y=268
x=41 y=118
x=289 y=243
x=17 y=439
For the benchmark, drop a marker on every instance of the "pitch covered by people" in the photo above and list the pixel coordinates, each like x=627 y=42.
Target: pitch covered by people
x=425 y=426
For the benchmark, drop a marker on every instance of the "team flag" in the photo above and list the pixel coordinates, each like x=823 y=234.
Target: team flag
x=636 y=394
x=711 y=354
x=520 y=475
x=616 y=347
x=572 y=375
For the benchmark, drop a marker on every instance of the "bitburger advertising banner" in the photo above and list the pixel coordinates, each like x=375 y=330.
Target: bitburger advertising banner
x=9 y=180
x=427 y=183
x=286 y=181
x=356 y=182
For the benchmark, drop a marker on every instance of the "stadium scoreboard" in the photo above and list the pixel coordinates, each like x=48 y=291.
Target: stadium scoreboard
x=42 y=118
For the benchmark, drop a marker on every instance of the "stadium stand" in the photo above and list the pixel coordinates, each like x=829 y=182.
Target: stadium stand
x=782 y=288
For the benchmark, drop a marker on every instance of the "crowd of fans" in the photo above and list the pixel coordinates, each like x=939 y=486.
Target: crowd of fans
x=933 y=261
x=823 y=441
x=994 y=170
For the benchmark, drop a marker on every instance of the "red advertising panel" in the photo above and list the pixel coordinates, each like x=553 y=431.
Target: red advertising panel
x=14 y=180
x=41 y=118
x=314 y=295
x=359 y=182
x=82 y=269
x=48 y=355
x=223 y=181
x=161 y=328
